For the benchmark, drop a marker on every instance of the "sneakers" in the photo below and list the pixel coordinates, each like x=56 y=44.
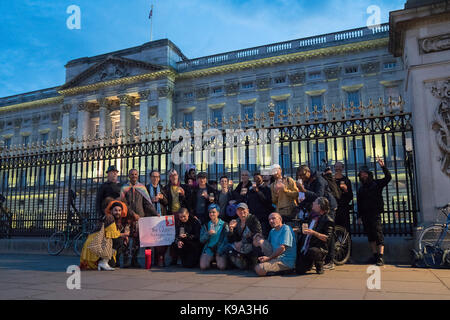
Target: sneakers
x=380 y=261
x=320 y=268
x=329 y=266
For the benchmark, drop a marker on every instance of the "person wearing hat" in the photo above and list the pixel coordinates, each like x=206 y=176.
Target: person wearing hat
x=111 y=188
x=201 y=197
x=370 y=206
x=240 y=237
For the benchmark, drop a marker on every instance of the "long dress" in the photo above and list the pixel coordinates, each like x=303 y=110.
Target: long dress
x=88 y=260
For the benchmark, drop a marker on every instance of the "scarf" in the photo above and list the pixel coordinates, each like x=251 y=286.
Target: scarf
x=314 y=219
x=139 y=187
x=152 y=195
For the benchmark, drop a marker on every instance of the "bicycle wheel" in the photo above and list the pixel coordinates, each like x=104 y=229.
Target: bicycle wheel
x=343 y=245
x=78 y=242
x=56 y=243
x=431 y=235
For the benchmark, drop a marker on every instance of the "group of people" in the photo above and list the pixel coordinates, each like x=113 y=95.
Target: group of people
x=246 y=227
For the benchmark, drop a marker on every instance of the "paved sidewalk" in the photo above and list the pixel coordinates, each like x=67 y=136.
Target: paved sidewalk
x=44 y=277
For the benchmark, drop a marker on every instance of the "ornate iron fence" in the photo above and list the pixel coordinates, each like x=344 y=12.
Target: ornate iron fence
x=36 y=179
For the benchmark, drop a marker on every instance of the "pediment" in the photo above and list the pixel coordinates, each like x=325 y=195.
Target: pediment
x=112 y=68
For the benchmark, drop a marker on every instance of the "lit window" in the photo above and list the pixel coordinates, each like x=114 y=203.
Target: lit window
x=217 y=90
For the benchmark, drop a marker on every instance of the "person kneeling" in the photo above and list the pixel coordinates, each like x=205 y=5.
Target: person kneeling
x=279 y=249
x=213 y=234
x=314 y=242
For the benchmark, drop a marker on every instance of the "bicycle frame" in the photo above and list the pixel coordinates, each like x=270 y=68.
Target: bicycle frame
x=447 y=223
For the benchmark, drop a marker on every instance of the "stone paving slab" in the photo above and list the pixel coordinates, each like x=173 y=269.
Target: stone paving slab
x=44 y=277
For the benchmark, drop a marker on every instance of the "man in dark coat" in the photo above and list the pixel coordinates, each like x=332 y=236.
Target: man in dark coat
x=201 y=197
x=370 y=207
x=111 y=188
x=259 y=200
x=315 y=239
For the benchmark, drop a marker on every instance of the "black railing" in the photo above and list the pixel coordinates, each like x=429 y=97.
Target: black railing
x=36 y=180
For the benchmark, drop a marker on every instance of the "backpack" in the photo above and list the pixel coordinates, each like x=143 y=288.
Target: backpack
x=332 y=186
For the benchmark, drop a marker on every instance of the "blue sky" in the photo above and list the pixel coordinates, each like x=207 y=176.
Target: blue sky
x=36 y=43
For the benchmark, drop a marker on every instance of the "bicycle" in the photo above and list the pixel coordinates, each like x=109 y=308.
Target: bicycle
x=434 y=240
x=61 y=240
x=5 y=220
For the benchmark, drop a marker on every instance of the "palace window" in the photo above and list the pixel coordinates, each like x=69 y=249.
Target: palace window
x=314 y=75
x=316 y=101
x=217 y=90
x=389 y=65
x=279 y=80
x=352 y=69
x=188 y=119
x=247 y=85
x=280 y=106
x=216 y=114
x=44 y=137
x=25 y=140
x=7 y=142
x=248 y=111
x=353 y=96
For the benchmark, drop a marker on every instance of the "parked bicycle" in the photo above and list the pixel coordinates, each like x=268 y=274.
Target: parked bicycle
x=61 y=240
x=5 y=220
x=434 y=242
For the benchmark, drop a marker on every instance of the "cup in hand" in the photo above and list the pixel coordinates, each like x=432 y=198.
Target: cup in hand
x=304 y=227
x=244 y=191
x=182 y=231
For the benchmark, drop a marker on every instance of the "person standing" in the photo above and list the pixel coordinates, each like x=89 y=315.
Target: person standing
x=176 y=193
x=160 y=202
x=259 y=202
x=202 y=196
x=343 y=203
x=370 y=207
x=241 y=191
x=111 y=188
x=284 y=194
x=225 y=198
x=137 y=199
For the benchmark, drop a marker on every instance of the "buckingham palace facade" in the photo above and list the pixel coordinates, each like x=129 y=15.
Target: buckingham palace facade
x=333 y=97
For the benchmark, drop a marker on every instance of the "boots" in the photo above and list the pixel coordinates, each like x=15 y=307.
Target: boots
x=103 y=265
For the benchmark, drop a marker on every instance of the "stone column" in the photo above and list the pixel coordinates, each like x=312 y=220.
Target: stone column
x=143 y=111
x=126 y=102
x=104 y=117
x=66 y=122
x=419 y=34
x=165 y=94
x=83 y=120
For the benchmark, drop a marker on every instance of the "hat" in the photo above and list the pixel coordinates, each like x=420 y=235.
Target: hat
x=231 y=210
x=112 y=168
x=274 y=168
x=242 y=205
